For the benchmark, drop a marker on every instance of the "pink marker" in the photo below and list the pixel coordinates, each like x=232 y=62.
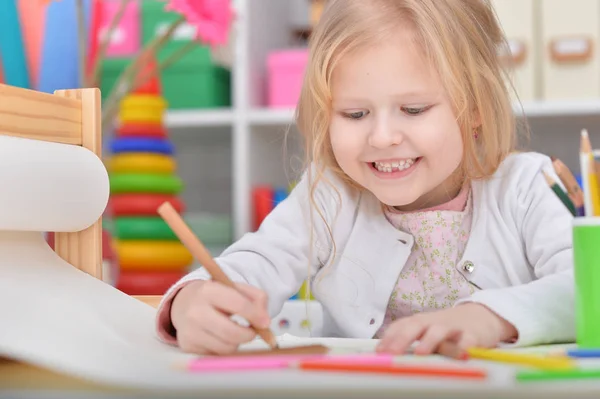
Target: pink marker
x=247 y=362
x=239 y=363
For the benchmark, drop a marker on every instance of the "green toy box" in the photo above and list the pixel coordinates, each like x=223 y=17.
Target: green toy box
x=194 y=81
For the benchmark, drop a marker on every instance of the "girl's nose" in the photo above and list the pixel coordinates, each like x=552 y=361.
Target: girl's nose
x=384 y=135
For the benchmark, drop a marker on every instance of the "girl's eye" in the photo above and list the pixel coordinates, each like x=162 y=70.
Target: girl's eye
x=355 y=115
x=414 y=110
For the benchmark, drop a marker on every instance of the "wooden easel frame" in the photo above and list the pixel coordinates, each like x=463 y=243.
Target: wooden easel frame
x=67 y=117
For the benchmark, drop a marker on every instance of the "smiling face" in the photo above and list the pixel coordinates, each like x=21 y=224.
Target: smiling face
x=393 y=129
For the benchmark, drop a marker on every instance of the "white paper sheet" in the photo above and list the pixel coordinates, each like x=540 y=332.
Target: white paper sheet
x=58 y=317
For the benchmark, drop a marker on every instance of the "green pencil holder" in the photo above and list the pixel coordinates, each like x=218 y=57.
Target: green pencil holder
x=586 y=256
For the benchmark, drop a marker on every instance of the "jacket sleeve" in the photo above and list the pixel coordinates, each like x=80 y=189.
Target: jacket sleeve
x=542 y=310
x=285 y=251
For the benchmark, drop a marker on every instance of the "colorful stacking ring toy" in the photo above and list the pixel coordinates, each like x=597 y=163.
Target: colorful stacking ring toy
x=153 y=256
x=144 y=101
x=142 y=130
x=142 y=108
x=145 y=183
x=147 y=282
x=142 y=162
x=141 y=144
x=142 y=204
x=136 y=115
x=143 y=228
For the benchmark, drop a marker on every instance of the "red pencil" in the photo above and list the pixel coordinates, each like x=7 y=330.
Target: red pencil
x=402 y=369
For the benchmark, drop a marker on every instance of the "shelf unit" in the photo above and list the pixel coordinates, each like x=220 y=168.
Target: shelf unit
x=255 y=134
x=285 y=116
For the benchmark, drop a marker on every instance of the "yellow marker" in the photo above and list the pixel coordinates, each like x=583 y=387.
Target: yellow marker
x=524 y=359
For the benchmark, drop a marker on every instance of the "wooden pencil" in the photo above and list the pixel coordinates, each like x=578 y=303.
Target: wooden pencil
x=195 y=246
x=422 y=370
x=588 y=176
x=560 y=194
x=573 y=189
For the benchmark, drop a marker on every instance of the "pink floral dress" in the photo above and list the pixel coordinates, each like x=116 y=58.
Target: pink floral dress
x=430 y=280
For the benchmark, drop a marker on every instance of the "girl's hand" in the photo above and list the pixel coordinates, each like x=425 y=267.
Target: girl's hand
x=468 y=325
x=201 y=314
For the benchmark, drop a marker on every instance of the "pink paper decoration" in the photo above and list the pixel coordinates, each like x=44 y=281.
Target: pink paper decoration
x=33 y=17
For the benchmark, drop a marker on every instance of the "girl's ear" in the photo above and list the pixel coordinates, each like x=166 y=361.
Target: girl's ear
x=476 y=120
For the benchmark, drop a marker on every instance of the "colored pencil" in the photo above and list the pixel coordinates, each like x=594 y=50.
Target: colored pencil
x=211 y=364
x=570 y=183
x=524 y=359
x=236 y=363
x=303 y=350
x=560 y=194
x=195 y=246
x=548 y=375
x=588 y=176
x=422 y=370
x=581 y=352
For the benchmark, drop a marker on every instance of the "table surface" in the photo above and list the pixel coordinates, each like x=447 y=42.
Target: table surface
x=27 y=381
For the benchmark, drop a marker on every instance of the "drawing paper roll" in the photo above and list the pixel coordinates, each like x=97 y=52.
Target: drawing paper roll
x=50 y=186
x=12 y=50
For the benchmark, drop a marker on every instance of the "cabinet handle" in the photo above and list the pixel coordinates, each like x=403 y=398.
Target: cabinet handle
x=514 y=53
x=571 y=49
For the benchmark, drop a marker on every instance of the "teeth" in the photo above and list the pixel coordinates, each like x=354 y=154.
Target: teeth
x=394 y=166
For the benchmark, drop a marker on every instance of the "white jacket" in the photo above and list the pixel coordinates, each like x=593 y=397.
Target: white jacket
x=519 y=254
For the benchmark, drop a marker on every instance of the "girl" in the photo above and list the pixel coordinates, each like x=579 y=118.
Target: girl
x=416 y=218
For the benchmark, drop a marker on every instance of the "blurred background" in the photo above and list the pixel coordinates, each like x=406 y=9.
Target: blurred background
x=201 y=118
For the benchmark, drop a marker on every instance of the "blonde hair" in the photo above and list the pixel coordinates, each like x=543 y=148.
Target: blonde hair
x=460 y=38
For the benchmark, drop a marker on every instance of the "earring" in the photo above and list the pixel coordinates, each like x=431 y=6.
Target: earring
x=475 y=133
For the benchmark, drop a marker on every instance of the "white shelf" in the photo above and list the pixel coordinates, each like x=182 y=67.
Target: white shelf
x=561 y=108
x=285 y=116
x=272 y=116
x=199 y=118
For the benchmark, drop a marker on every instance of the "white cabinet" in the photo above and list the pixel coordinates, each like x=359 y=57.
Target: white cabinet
x=255 y=134
x=570 y=31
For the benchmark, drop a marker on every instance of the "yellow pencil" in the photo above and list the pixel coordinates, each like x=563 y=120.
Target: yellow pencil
x=588 y=176
x=524 y=359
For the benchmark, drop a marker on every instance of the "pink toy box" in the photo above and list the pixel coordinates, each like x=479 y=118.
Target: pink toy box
x=126 y=40
x=286 y=72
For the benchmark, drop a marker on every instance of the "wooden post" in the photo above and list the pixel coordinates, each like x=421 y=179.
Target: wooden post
x=83 y=249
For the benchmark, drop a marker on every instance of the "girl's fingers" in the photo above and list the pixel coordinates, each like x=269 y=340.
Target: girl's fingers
x=200 y=342
x=216 y=345
x=434 y=335
x=467 y=341
x=400 y=336
x=232 y=302
x=226 y=329
x=260 y=301
x=257 y=295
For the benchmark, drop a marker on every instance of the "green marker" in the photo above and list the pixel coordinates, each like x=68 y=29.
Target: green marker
x=548 y=375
